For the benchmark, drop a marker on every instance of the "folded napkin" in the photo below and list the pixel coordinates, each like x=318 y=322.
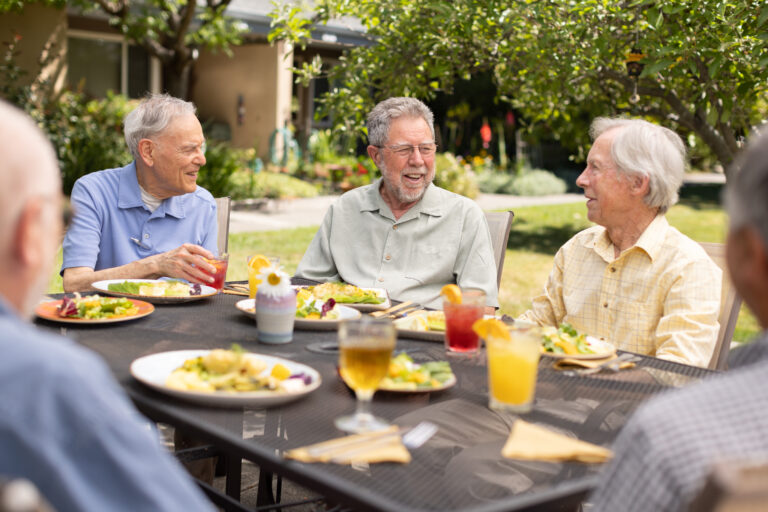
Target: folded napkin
x=530 y=442
x=568 y=363
x=379 y=446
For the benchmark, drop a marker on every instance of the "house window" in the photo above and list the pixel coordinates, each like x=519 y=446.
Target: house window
x=100 y=62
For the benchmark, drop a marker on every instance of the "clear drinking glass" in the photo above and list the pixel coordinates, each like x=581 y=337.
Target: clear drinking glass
x=512 y=368
x=365 y=349
x=459 y=336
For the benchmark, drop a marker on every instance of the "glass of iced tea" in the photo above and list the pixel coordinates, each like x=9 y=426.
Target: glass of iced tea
x=220 y=276
x=365 y=348
x=459 y=336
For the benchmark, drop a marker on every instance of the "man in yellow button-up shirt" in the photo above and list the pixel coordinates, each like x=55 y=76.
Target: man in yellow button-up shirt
x=633 y=279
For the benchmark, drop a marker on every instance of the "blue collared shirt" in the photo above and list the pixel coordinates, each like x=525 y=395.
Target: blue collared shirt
x=112 y=226
x=66 y=426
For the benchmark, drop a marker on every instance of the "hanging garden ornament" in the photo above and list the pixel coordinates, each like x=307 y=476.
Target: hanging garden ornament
x=634 y=66
x=634 y=69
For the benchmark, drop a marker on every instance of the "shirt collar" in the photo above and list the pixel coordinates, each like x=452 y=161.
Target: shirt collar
x=650 y=241
x=429 y=204
x=129 y=195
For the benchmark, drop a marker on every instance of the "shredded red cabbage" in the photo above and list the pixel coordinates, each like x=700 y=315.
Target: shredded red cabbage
x=67 y=307
x=327 y=307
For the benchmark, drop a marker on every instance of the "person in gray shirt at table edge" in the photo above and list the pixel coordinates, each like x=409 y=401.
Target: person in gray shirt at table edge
x=65 y=425
x=664 y=453
x=402 y=232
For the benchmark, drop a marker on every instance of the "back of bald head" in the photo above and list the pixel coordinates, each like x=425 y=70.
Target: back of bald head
x=28 y=166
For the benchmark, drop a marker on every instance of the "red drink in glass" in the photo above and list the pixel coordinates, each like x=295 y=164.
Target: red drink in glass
x=220 y=276
x=459 y=336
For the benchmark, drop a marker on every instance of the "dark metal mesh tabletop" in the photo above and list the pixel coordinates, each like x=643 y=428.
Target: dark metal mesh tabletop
x=459 y=468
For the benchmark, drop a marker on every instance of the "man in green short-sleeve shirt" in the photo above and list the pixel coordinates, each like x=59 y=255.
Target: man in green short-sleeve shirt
x=403 y=233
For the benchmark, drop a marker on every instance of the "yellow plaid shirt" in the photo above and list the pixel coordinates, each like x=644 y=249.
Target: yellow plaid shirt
x=660 y=297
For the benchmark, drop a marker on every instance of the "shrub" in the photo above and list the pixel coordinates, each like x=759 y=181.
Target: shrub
x=537 y=182
x=246 y=184
x=87 y=135
x=221 y=162
x=491 y=182
x=451 y=175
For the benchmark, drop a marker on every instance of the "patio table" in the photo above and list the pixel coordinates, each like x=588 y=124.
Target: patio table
x=460 y=468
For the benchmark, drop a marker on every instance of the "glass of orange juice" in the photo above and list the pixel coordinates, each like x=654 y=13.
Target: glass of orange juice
x=512 y=368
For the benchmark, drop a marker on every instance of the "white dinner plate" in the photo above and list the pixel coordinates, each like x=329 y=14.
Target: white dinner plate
x=602 y=350
x=248 y=306
x=103 y=286
x=154 y=369
x=381 y=292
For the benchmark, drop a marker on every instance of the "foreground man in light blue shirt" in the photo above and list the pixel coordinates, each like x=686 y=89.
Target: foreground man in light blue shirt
x=64 y=423
x=403 y=233
x=147 y=219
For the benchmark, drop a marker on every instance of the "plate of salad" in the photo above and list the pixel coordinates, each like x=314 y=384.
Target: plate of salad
x=407 y=376
x=226 y=378
x=362 y=299
x=567 y=342
x=157 y=291
x=311 y=314
x=93 y=309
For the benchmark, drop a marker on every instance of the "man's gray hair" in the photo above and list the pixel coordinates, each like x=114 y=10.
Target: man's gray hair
x=746 y=193
x=382 y=115
x=646 y=149
x=151 y=117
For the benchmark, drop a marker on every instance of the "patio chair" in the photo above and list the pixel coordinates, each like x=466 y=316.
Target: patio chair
x=499 y=224
x=730 y=303
x=734 y=487
x=223 y=205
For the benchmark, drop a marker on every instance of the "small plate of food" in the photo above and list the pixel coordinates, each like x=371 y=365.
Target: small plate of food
x=362 y=299
x=311 y=314
x=407 y=376
x=157 y=291
x=565 y=341
x=422 y=325
x=226 y=378
x=93 y=309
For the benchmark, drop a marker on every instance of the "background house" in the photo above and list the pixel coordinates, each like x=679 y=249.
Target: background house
x=244 y=99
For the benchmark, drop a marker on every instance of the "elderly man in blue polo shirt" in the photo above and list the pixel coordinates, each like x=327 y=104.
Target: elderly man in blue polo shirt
x=149 y=218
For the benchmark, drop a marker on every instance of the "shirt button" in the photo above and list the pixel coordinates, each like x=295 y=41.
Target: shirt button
x=387 y=257
x=146 y=235
x=605 y=304
x=613 y=269
x=394 y=227
x=381 y=279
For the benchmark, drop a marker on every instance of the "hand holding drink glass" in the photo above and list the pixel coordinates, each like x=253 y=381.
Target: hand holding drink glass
x=365 y=348
x=220 y=275
x=513 y=361
x=462 y=308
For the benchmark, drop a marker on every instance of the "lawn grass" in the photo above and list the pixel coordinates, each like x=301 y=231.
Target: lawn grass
x=537 y=233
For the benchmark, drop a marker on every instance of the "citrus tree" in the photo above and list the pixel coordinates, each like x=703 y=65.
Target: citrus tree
x=701 y=65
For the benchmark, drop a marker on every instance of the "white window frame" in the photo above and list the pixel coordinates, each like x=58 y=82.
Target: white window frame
x=154 y=63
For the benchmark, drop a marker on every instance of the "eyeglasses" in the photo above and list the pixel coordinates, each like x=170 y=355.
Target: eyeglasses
x=406 y=150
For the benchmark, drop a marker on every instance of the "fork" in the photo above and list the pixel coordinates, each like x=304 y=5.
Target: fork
x=412 y=438
x=613 y=365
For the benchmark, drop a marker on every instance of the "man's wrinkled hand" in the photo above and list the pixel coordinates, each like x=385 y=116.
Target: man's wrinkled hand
x=187 y=262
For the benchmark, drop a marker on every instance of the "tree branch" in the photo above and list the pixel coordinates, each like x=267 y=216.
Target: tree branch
x=694 y=122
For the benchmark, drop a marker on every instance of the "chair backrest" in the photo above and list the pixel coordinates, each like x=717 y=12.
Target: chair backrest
x=730 y=303
x=223 y=204
x=499 y=224
x=734 y=487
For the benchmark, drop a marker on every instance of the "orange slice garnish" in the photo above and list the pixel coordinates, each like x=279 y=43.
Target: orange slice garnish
x=451 y=293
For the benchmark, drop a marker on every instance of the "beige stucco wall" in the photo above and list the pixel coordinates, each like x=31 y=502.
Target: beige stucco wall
x=259 y=72
x=39 y=27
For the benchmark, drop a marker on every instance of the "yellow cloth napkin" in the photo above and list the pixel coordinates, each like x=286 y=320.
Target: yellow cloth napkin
x=530 y=442
x=379 y=446
x=568 y=363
